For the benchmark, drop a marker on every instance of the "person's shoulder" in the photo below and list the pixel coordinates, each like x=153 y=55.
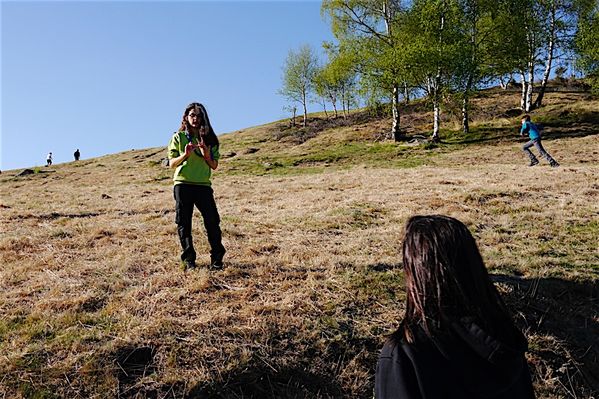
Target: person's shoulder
x=176 y=135
x=393 y=348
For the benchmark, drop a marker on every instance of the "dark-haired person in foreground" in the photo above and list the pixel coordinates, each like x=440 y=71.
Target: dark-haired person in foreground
x=457 y=339
x=194 y=152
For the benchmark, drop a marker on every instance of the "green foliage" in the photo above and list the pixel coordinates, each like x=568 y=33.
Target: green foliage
x=366 y=32
x=336 y=81
x=587 y=42
x=298 y=76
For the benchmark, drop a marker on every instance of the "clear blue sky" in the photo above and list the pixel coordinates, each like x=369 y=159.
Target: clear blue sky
x=110 y=76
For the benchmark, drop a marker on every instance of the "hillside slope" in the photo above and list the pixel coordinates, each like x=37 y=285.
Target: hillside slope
x=93 y=302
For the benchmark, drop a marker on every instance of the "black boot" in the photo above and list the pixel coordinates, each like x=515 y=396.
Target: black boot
x=216 y=260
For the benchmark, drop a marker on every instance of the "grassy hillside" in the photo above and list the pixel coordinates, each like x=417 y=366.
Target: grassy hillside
x=93 y=302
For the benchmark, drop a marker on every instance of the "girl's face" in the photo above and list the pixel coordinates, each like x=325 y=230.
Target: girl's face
x=194 y=118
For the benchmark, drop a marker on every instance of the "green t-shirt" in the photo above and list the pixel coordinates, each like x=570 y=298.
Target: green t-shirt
x=194 y=170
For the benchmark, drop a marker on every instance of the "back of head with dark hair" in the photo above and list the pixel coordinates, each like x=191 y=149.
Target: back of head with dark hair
x=446 y=281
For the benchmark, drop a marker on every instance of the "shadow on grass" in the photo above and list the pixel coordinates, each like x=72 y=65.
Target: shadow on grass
x=565 y=125
x=261 y=381
x=561 y=318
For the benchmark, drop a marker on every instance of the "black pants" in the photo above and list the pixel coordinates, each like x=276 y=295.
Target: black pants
x=186 y=196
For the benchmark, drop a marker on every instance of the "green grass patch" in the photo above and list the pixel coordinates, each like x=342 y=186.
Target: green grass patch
x=478 y=133
x=386 y=285
x=316 y=159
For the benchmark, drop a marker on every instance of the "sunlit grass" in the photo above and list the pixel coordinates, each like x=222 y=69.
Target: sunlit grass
x=312 y=283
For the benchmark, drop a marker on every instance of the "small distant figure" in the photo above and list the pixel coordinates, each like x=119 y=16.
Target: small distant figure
x=49 y=159
x=77 y=154
x=535 y=140
x=457 y=338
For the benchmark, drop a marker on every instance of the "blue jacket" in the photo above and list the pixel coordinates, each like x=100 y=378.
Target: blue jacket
x=531 y=129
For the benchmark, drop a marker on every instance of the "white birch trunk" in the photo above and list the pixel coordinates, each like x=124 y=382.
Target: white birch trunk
x=395 y=129
x=550 y=51
x=524 y=91
x=333 y=99
x=305 y=109
x=343 y=95
x=465 y=117
x=436 y=106
x=531 y=77
x=437 y=88
x=436 y=120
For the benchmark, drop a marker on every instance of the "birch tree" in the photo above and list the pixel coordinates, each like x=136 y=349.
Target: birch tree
x=336 y=80
x=298 y=77
x=484 y=51
x=432 y=30
x=559 y=24
x=367 y=27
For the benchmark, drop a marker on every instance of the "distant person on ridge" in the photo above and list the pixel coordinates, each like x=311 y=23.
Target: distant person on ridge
x=535 y=140
x=49 y=159
x=194 y=152
x=457 y=339
x=77 y=154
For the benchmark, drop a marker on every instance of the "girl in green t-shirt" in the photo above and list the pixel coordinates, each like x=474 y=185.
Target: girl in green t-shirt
x=194 y=152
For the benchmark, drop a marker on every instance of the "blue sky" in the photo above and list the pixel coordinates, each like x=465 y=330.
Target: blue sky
x=110 y=76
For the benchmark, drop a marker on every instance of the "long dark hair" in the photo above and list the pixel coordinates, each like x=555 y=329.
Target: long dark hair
x=446 y=281
x=209 y=137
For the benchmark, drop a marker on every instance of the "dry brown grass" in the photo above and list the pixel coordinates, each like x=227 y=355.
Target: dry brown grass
x=93 y=302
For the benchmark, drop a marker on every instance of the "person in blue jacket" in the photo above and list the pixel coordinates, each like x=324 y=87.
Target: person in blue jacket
x=534 y=135
x=457 y=339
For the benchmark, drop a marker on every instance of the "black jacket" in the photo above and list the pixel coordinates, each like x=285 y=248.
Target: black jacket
x=467 y=364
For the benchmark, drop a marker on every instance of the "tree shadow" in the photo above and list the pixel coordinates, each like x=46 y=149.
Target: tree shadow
x=261 y=381
x=566 y=124
x=561 y=317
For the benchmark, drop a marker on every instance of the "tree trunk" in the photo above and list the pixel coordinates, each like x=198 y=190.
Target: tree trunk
x=436 y=120
x=465 y=107
x=333 y=99
x=527 y=94
x=324 y=107
x=550 y=51
x=437 y=88
x=524 y=91
x=305 y=110
x=436 y=106
x=406 y=93
x=531 y=78
x=395 y=129
x=343 y=94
